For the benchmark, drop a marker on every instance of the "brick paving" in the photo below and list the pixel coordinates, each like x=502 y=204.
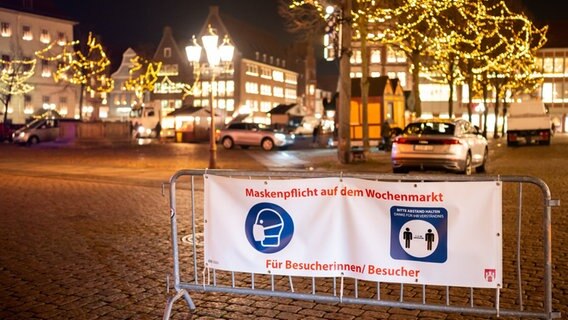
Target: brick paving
x=85 y=233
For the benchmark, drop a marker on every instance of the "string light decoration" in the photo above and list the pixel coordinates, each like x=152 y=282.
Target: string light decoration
x=142 y=76
x=89 y=69
x=450 y=41
x=14 y=76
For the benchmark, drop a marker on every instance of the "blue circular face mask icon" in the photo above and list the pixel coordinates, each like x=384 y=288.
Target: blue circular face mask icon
x=268 y=227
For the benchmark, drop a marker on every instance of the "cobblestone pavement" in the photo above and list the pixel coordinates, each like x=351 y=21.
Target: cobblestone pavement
x=85 y=231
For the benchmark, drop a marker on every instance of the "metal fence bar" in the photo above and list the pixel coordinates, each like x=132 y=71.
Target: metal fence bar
x=183 y=288
x=519 y=223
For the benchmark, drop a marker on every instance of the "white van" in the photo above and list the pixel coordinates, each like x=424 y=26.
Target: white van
x=39 y=130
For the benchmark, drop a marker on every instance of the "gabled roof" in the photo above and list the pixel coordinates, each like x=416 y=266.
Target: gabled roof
x=185 y=111
x=377 y=86
x=282 y=108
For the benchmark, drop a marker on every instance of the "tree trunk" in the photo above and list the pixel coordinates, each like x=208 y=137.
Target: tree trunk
x=416 y=83
x=496 y=110
x=365 y=88
x=344 y=137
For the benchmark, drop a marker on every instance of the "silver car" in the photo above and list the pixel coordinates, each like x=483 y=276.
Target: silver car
x=39 y=130
x=448 y=144
x=254 y=134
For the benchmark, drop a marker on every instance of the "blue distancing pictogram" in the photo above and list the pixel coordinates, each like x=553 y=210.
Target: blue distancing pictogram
x=268 y=227
x=419 y=234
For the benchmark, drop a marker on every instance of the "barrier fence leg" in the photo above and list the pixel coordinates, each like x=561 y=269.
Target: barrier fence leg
x=171 y=300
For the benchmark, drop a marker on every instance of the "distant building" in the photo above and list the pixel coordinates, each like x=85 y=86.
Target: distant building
x=22 y=33
x=554 y=90
x=260 y=77
x=120 y=101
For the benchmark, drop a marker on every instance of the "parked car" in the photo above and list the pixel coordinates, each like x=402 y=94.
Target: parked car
x=449 y=144
x=254 y=134
x=39 y=130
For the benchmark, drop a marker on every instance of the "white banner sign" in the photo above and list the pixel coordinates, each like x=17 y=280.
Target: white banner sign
x=437 y=233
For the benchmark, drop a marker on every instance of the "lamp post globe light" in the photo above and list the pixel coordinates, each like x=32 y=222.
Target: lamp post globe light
x=219 y=59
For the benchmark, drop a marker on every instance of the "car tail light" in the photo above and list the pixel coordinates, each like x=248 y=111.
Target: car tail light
x=450 y=141
x=403 y=140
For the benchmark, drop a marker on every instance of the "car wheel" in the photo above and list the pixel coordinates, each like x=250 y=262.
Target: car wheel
x=228 y=143
x=267 y=144
x=33 y=140
x=468 y=167
x=482 y=168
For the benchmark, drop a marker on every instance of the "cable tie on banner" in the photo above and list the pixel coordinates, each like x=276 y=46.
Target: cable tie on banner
x=341 y=176
x=205 y=173
x=498 y=179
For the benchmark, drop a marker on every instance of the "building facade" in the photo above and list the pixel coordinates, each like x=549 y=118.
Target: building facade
x=554 y=90
x=258 y=79
x=22 y=34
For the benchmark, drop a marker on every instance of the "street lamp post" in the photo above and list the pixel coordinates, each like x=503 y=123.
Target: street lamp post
x=219 y=58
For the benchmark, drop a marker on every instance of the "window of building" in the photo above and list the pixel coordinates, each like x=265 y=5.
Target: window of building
x=252 y=70
x=265 y=106
x=45 y=102
x=291 y=78
x=291 y=93
x=63 y=107
x=265 y=90
x=45 y=70
x=230 y=88
x=395 y=55
x=5 y=30
x=27 y=33
x=355 y=57
x=559 y=65
x=168 y=70
x=28 y=106
x=278 y=92
x=278 y=76
x=548 y=65
x=251 y=87
x=402 y=78
x=266 y=73
x=264 y=57
x=375 y=74
x=167 y=52
x=61 y=38
x=271 y=60
x=221 y=88
x=355 y=74
x=44 y=37
x=230 y=105
x=375 y=56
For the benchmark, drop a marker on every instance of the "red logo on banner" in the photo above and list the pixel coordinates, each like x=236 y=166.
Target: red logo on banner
x=489 y=275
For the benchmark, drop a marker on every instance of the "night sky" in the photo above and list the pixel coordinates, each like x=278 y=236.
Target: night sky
x=139 y=23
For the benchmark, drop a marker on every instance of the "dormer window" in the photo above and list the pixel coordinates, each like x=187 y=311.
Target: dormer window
x=167 y=52
x=44 y=37
x=5 y=30
x=27 y=33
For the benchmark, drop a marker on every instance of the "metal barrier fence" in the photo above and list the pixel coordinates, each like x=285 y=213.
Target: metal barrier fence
x=527 y=280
